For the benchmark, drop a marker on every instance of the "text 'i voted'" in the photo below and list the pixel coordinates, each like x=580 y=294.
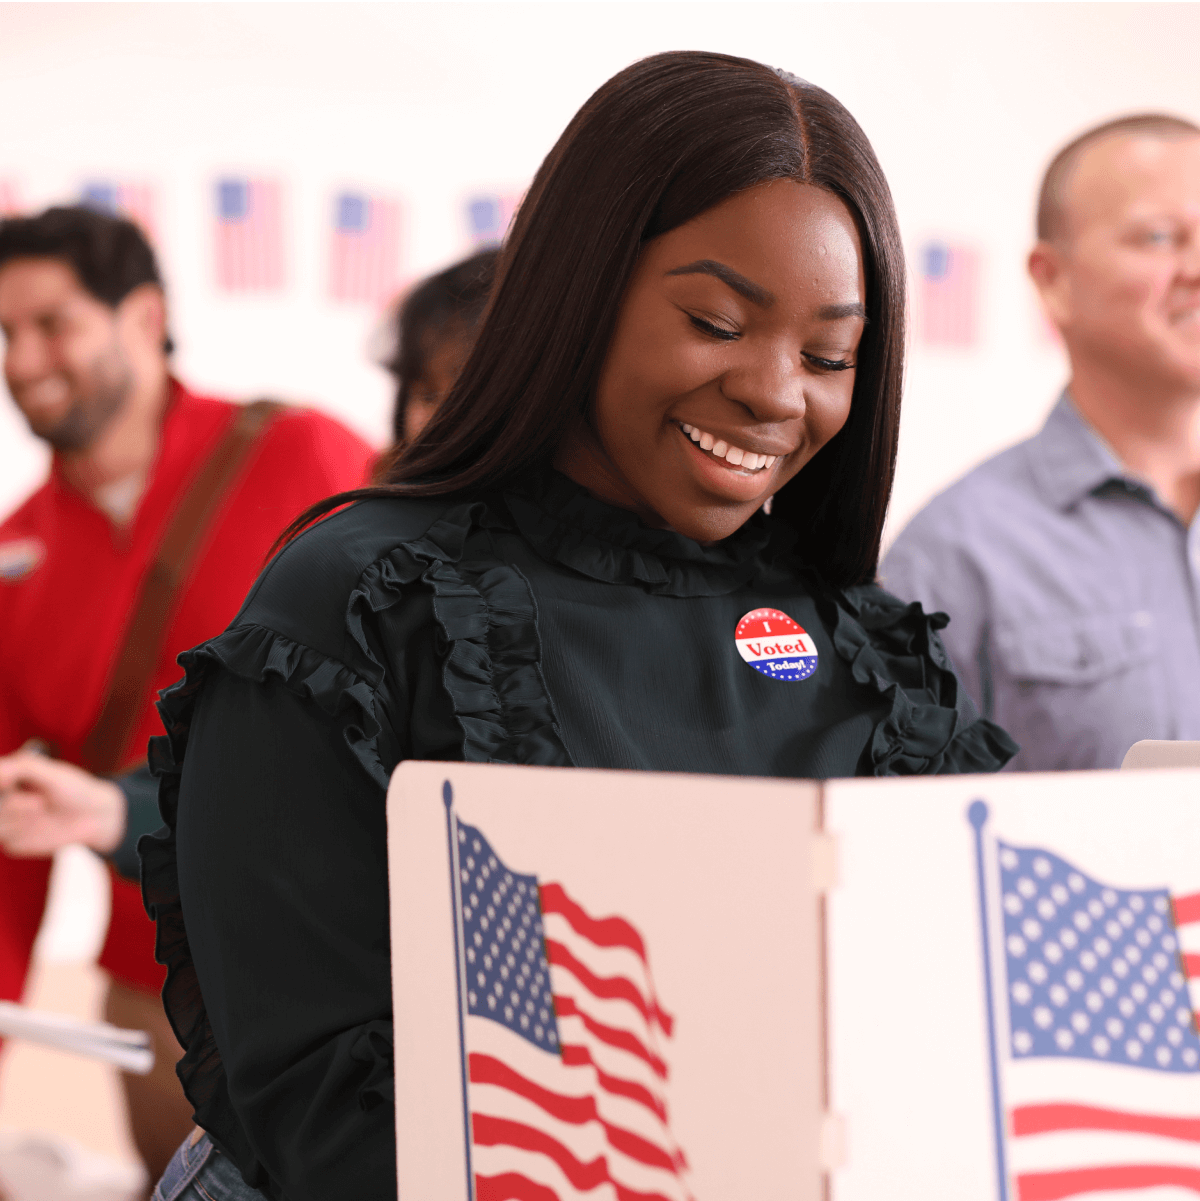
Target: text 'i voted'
x=773 y=644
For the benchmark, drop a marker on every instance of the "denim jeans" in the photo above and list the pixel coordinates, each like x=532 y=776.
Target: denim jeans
x=199 y=1172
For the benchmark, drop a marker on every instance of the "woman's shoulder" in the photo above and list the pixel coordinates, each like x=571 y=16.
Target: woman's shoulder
x=884 y=637
x=307 y=588
x=316 y=616
x=310 y=621
x=881 y=610
x=893 y=648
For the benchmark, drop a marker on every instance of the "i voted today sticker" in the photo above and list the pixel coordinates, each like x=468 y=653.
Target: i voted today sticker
x=772 y=643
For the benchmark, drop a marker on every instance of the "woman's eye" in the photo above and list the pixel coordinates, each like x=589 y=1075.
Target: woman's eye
x=714 y=331
x=829 y=364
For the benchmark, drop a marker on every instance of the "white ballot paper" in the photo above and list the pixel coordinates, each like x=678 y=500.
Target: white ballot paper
x=127 y=1049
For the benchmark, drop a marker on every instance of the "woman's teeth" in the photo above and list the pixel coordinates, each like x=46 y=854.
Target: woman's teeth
x=735 y=455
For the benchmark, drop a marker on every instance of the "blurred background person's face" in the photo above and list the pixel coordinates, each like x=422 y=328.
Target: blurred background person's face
x=446 y=352
x=434 y=329
x=1122 y=282
x=69 y=360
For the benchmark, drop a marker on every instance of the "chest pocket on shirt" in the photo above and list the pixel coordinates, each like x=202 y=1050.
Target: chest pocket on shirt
x=1076 y=650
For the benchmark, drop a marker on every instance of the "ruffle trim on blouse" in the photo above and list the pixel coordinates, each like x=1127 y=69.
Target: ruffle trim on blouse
x=894 y=648
x=255 y=653
x=566 y=524
x=488 y=619
x=200 y=1070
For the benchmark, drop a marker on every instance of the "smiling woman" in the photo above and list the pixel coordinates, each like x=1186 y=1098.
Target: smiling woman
x=699 y=310
x=722 y=382
x=677 y=153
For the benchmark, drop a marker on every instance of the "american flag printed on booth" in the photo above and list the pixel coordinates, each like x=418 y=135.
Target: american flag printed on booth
x=135 y=201
x=248 y=238
x=564 y=1041
x=1102 y=1080
x=364 y=254
x=948 y=305
x=488 y=216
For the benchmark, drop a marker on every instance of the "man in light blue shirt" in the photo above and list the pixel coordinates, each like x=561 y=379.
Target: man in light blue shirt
x=1070 y=564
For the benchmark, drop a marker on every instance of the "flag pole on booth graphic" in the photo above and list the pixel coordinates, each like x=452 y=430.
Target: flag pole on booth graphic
x=977 y=815
x=460 y=967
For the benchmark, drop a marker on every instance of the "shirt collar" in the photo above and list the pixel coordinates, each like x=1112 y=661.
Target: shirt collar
x=1070 y=460
x=563 y=522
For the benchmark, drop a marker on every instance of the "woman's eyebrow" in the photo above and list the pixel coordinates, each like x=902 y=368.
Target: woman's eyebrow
x=753 y=292
x=836 y=312
x=759 y=295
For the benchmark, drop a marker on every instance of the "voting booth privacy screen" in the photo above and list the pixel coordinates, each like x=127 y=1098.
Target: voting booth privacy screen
x=612 y=984
x=628 y=985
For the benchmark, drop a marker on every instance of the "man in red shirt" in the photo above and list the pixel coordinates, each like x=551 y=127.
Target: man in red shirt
x=159 y=511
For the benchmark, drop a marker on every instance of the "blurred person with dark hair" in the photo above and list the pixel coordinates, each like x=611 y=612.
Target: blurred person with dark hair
x=159 y=511
x=435 y=328
x=1070 y=564
x=699 y=307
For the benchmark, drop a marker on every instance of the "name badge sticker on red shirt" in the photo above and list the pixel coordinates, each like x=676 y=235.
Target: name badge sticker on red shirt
x=773 y=644
x=20 y=558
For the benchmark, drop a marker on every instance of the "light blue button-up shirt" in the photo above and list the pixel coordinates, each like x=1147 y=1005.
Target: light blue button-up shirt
x=1073 y=594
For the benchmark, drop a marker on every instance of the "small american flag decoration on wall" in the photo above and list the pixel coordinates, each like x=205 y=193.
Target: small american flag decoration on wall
x=364 y=255
x=135 y=201
x=948 y=297
x=488 y=216
x=249 y=252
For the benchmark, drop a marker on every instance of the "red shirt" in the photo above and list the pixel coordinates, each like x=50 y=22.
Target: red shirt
x=69 y=579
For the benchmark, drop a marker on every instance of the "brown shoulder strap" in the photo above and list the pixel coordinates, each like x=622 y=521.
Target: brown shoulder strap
x=104 y=751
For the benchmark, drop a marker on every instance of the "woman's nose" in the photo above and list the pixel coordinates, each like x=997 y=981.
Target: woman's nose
x=770 y=386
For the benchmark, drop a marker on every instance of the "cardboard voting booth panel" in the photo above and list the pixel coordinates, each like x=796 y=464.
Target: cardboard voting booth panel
x=606 y=985
x=1010 y=990
x=623 y=985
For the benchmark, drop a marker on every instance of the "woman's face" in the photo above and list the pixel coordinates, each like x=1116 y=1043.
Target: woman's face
x=732 y=362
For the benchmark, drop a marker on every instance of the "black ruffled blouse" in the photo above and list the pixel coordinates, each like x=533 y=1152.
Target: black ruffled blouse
x=535 y=626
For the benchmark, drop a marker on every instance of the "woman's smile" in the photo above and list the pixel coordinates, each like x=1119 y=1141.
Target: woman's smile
x=718 y=466
x=745 y=461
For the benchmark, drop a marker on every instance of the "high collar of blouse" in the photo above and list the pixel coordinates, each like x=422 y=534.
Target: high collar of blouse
x=566 y=524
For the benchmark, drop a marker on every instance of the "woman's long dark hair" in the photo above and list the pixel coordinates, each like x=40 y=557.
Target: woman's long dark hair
x=657 y=145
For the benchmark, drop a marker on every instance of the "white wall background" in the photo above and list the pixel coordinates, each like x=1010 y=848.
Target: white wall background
x=964 y=104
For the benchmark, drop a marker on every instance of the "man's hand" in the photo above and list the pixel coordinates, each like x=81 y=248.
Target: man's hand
x=46 y=804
